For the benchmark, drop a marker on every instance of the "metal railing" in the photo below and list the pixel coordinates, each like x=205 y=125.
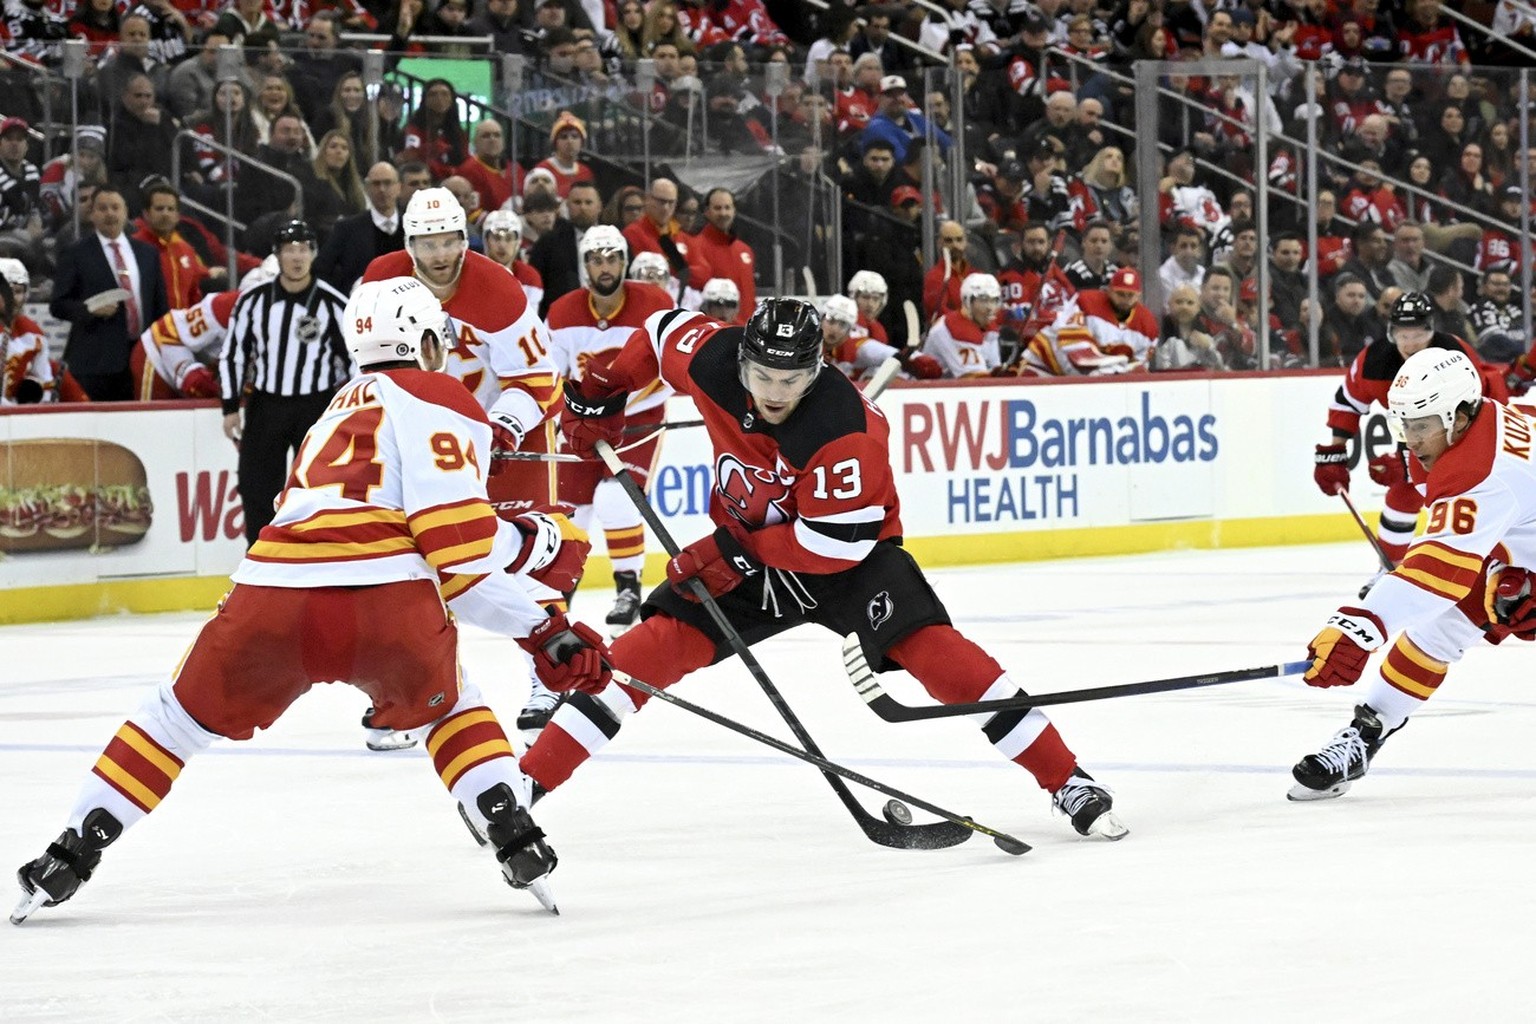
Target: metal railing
x=231 y=155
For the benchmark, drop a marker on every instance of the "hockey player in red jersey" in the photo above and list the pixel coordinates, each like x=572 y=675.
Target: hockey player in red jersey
x=1410 y=330
x=1468 y=577
x=587 y=327
x=26 y=374
x=500 y=347
x=964 y=343
x=384 y=518
x=808 y=530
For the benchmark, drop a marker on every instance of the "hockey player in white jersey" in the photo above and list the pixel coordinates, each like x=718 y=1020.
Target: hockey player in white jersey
x=1467 y=578
x=859 y=355
x=720 y=299
x=385 y=517
x=965 y=342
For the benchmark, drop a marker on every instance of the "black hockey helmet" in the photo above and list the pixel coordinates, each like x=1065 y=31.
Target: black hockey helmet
x=294 y=231
x=784 y=334
x=1412 y=309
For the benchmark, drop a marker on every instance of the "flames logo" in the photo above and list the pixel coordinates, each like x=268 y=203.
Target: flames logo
x=754 y=496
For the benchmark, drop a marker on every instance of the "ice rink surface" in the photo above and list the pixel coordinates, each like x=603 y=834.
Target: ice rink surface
x=705 y=878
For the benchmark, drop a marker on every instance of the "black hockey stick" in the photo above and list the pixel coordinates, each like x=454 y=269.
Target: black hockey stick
x=894 y=831
x=873 y=388
x=1386 y=563
x=892 y=710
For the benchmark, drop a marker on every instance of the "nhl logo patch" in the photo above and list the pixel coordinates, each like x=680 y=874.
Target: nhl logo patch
x=880 y=609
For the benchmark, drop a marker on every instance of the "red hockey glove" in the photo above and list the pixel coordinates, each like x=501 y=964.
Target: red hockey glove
x=1509 y=604
x=198 y=382
x=920 y=365
x=506 y=436
x=1521 y=374
x=1340 y=651
x=568 y=655
x=593 y=412
x=554 y=549
x=1389 y=470
x=1332 y=468
x=718 y=561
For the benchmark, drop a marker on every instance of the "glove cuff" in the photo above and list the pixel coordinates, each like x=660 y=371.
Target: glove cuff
x=1330 y=454
x=734 y=553
x=510 y=425
x=595 y=408
x=1362 y=627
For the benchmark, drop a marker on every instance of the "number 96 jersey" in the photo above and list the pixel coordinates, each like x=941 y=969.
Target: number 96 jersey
x=388 y=485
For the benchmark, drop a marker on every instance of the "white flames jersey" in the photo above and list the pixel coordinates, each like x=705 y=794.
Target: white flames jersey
x=23 y=356
x=577 y=335
x=1481 y=498
x=962 y=347
x=501 y=348
x=175 y=341
x=389 y=485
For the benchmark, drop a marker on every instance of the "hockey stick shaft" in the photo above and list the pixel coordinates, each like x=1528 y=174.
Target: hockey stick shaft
x=892 y=710
x=1386 y=563
x=875 y=829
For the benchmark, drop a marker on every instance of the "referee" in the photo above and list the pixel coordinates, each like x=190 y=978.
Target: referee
x=285 y=355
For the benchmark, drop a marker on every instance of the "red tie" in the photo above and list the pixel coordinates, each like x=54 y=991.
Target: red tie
x=131 y=304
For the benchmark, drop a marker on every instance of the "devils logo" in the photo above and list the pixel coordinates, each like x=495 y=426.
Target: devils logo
x=754 y=496
x=880 y=609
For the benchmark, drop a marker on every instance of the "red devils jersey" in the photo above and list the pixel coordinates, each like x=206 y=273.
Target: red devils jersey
x=1370 y=375
x=815 y=492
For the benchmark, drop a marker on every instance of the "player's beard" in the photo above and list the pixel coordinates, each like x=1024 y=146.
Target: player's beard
x=615 y=282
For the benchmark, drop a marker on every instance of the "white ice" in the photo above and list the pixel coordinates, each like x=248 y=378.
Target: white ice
x=705 y=878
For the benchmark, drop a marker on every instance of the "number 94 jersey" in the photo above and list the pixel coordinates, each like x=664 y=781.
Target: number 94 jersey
x=816 y=491
x=388 y=485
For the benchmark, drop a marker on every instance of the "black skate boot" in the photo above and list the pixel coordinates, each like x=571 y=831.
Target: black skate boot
x=626 y=607
x=1088 y=804
x=539 y=793
x=526 y=859
x=1345 y=758
x=67 y=865
x=538 y=710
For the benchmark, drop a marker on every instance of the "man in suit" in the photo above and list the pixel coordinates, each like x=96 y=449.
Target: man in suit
x=356 y=240
x=554 y=255
x=101 y=338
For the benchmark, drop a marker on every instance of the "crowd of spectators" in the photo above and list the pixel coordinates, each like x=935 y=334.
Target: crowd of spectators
x=1042 y=136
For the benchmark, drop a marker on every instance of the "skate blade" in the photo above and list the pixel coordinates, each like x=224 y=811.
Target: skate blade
x=1301 y=794
x=1107 y=826
x=29 y=904
x=542 y=892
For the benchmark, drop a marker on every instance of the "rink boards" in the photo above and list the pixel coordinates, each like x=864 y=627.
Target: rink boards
x=987 y=472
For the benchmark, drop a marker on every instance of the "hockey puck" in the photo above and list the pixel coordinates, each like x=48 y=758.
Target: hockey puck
x=897 y=813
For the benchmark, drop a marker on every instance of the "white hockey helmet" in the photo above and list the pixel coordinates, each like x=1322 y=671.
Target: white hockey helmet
x=1433 y=382
x=498 y=221
x=721 y=291
x=840 y=309
x=388 y=320
x=650 y=267
x=15 y=272
x=980 y=286
x=867 y=282
x=268 y=271
x=604 y=238
x=433 y=211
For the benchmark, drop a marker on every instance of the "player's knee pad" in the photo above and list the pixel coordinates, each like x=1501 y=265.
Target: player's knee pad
x=613 y=507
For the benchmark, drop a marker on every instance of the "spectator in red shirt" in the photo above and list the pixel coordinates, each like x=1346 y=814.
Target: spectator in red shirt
x=494 y=177
x=726 y=255
x=658 y=231
x=183 y=269
x=941 y=285
x=433 y=133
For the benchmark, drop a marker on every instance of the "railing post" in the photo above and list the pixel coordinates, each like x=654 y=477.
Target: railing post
x=776 y=77
x=227 y=69
x=1261 y=106
x=645 y=81
x=1146 y=184
x=512 y=66
x=1525 y=207
x=373 y=81
x=74 y=69
x=1315 y=316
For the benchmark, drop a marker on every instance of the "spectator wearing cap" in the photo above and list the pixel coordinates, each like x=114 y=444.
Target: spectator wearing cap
x=1047 y=194
x=1107 y=331
x=20 y=181
x=487 y=168
x=62 y=177
x=140 y=137
x=181 y=267
x=357 y=240
x=1408 y=267
x=1027 y=56
x=1350 y=98
x=1500 y=245
x=726 y=255
x=567 y=136
x=1502 y=334
x=1001 y=196
x=658 y=231
x=895 y=123
x=101 y=334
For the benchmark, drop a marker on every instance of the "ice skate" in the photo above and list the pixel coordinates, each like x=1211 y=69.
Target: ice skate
x=66 y=865
x=526 y=859
x=386 y=739
x=538 y=709
x=626 y=607
x=1088 y=805
x=1345 y=758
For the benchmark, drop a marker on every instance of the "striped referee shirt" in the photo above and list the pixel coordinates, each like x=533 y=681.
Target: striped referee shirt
x=284 y=343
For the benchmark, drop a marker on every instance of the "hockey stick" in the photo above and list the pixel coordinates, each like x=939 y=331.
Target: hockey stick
x=894 y=831
x=1386 y=563
x=892 y=710
x=914 y=325
x=881 y=378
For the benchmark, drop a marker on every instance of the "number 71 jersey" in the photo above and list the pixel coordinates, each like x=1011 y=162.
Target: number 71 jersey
x=388 y=485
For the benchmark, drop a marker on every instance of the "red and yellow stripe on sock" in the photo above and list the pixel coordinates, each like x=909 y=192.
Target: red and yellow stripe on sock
x=469 y=738
x=626 y=543
x=1410 y=670
x=138 y=767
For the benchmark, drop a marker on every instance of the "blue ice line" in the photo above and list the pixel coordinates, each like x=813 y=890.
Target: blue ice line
x=1150 y=767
